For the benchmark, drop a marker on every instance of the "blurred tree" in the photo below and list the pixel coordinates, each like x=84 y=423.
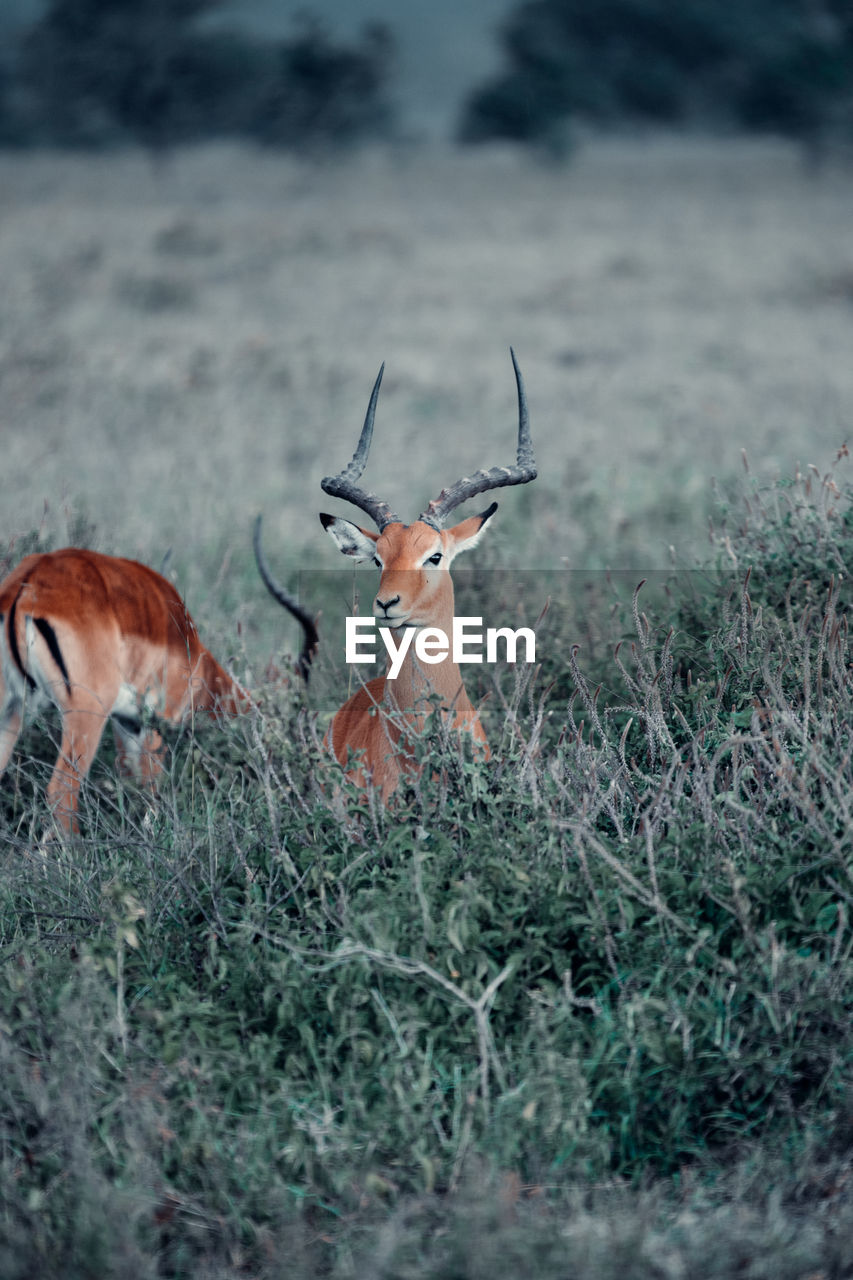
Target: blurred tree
x=110 y=68
x=323 y=91
x=778 y=64
x=801 y=81
x=101 y=72
x=7 y=131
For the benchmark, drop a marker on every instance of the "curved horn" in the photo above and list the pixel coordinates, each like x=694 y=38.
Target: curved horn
x=309 y=626
x=496 y=477
x=343 y=485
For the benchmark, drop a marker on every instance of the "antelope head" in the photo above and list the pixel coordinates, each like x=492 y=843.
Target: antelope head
x=415 y=588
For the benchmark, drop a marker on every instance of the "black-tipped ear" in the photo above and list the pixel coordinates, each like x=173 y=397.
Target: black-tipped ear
x=358 y=544
x=488 y=513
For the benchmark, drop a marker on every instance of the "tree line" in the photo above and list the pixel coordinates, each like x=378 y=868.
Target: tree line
x=95 y=73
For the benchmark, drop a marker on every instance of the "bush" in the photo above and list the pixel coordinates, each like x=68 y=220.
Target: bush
x=785 y=67
x=106 y=72
x=319 y=91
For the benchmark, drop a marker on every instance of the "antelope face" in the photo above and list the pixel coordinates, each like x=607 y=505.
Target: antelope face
x=414 y=583
x=415 y=587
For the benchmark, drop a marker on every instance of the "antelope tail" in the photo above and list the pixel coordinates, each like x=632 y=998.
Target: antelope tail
x=289 y=602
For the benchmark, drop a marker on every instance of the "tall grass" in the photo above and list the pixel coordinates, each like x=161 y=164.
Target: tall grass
x=585 y=1009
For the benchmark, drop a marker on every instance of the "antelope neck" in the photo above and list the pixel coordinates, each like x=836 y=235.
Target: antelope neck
x=417 y=681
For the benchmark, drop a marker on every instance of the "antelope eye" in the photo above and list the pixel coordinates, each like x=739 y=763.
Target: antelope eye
x=436 y=559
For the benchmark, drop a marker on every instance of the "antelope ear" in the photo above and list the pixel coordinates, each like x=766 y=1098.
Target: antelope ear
x=466 y=534
x=358 y=544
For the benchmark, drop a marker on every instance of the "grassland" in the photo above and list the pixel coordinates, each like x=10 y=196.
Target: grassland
x=586 y=1010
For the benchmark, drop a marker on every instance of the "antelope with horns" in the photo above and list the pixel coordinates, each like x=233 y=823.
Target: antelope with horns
x=105 y=638
x=415 y=590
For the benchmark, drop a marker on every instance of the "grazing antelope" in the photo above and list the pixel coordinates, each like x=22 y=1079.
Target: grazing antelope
x=415 y=590
x=100 y=638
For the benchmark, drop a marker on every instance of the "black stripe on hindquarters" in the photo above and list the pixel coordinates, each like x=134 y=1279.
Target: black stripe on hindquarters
x=130 y=724
x=52 y=643
x=13 y=646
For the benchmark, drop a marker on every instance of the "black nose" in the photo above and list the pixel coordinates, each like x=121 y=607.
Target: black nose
x=385 y=605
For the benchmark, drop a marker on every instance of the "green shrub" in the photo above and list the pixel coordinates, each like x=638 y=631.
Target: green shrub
x=262 y=1023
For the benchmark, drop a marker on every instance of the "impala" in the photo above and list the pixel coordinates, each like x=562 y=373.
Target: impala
x=105 y=638
x=415 y=590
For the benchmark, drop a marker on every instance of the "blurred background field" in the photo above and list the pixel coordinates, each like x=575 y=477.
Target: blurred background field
x=183 y=344
x=194 y=306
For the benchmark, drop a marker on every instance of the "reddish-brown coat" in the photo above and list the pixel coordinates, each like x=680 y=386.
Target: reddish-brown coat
x=99 y=636
x=372 y=722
